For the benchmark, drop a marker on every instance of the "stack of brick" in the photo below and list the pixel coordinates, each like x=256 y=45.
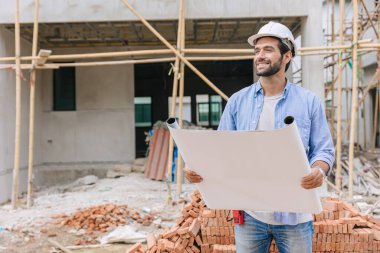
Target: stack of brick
x=341 y=228
x=217 y=231
x=198 y=230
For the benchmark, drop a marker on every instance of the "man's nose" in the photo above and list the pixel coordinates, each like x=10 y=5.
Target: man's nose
x=260 y=54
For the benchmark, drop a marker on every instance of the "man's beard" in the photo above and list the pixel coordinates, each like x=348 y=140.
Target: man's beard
x=271 y=70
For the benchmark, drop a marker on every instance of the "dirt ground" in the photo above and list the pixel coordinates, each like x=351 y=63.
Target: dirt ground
x=28 y=230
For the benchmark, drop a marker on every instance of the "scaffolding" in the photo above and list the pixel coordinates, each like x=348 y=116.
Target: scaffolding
x=338 y=54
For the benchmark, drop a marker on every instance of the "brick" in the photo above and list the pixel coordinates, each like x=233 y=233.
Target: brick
x=171 y=232
x=135 y=248
x=151 y=240
x=208 y=213
x=198 y=240
x=330 y=205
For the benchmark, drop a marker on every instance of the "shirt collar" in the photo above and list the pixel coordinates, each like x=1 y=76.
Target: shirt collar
x=259 y=89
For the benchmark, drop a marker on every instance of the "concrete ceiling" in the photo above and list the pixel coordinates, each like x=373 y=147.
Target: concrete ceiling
x=134 y=33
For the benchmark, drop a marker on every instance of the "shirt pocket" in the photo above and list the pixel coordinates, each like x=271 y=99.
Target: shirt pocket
x=304 y=126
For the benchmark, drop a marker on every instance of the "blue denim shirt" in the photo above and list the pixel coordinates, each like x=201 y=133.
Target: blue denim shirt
x=243 y=110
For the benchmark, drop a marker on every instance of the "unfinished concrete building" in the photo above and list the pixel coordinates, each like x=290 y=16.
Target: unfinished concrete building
x=86 y=115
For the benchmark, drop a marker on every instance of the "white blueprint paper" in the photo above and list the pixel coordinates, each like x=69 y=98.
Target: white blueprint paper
x=249 y=170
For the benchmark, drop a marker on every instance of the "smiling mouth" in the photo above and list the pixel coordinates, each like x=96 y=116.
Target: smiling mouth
x=262 y=64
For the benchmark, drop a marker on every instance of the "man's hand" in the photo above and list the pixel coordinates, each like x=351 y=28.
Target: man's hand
x=192 y=176
x=313 y=180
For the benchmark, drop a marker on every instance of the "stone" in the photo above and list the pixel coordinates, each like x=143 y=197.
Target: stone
x=87 y=180
x=119 y=170
x=139 y=165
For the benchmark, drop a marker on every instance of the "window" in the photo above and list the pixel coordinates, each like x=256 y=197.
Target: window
x=216 y=109
x=209 y=110
x=64 y=89
x=203 y=111
x=186 y=107
x=143 y=111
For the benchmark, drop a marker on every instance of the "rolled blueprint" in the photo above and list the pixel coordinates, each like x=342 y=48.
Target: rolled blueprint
x=249 y=170
x=172 y=123
x=289 y=120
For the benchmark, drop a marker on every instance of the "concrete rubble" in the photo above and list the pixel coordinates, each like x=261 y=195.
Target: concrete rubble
x=366 y=182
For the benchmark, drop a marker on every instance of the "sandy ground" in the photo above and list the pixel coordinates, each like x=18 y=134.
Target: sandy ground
x=20 y=229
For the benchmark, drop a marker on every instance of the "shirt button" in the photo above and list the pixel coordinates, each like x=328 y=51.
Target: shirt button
x=254 y=122
x=259 y=106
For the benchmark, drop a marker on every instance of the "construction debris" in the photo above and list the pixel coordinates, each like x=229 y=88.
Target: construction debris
x=104 y=218
x=124 y=234
x=338 y=228
x=366 y=181
x=119 y=170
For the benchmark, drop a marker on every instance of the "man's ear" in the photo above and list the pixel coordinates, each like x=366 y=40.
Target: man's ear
x=288 y=57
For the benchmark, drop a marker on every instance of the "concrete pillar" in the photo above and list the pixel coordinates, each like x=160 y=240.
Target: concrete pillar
x=312 y=35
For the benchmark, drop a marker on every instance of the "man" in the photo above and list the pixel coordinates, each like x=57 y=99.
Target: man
x=263 y=106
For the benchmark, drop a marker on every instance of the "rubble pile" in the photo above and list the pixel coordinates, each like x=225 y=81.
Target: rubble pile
x=103 y=218
x=367 y=176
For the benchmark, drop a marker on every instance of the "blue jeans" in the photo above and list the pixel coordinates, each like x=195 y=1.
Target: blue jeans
x=255 y=236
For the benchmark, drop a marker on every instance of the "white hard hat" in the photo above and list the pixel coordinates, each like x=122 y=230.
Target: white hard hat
x=274 y=29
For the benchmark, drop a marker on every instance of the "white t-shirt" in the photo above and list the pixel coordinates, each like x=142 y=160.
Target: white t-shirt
x=267 y=122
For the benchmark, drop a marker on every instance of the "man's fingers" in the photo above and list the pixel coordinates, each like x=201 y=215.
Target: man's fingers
x=312 y=183
x=313 y=180
x=192 y=176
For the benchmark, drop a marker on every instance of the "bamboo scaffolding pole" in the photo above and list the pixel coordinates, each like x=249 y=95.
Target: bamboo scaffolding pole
x=376 y=116
x=338 y=174
x=95 y=55
x=369 y=18
x=360 y=44
x=354 y=96
x=180 y=112
x=357 y=147
x=163 y=40
x=123 y=62
x=174 y=100
x=32 y=105
x=332 y=73
x=377 y=102
x=15 y=186
x=325 y=48
x=365 y=93
x=217 y=51
x=225 y=58
x=364 y=127
x=369 y=45
x=362 y=47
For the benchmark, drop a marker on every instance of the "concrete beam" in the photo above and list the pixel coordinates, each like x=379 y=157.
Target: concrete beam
x=114 y=10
